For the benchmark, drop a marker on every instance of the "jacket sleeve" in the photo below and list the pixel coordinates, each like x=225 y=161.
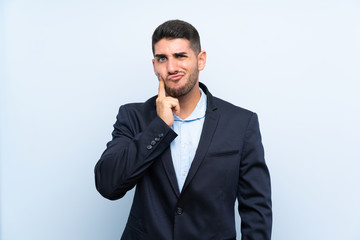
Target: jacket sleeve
x=254 y=192
x=130 y=153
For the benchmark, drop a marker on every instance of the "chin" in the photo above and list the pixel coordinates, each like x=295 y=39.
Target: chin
x=179 y=92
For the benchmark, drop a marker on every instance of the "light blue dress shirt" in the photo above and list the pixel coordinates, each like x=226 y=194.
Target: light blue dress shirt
x=184 y=146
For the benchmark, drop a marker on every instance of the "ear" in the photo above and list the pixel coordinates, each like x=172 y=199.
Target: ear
x=201 y=60
x=153 y=62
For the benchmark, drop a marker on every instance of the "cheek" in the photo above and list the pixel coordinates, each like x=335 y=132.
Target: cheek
x=189 y=65
x=161 y=73
x=184 y=65
x=159 y=70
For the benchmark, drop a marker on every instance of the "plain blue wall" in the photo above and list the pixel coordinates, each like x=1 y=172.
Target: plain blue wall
x=68 y=65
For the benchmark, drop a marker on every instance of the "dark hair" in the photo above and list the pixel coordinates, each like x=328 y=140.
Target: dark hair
x=177 y=29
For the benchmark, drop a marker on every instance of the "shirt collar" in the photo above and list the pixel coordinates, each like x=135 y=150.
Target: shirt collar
x=199 y=111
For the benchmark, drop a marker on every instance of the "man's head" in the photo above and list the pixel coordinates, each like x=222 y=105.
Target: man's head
x=177 y=29
x=178 y=57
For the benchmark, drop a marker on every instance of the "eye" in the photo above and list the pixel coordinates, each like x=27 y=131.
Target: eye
x=162 y=59
x=181 y=56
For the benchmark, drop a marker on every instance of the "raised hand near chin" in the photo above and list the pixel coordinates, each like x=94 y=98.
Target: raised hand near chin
x=166 y=106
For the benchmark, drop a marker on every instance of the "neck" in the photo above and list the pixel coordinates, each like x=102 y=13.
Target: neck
x=189 y=101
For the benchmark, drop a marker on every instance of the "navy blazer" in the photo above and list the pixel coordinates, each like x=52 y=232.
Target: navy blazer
x=228 y=164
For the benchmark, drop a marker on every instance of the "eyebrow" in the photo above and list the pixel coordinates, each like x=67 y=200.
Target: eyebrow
x=176 y=54
x=180 y=53
x=160 y=55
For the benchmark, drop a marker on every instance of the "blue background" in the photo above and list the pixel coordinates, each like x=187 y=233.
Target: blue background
x=66 y=67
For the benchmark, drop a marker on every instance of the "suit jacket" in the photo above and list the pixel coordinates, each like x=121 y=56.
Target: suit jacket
x=228 y=164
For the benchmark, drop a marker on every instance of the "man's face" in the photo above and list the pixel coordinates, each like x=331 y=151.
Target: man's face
x=178 y=65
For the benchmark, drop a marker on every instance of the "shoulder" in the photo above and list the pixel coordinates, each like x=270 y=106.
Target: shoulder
x=225 y=108
x=231 y=115
x=229 y=108
x=236 y=118
x=139 y=109
x=140 y=106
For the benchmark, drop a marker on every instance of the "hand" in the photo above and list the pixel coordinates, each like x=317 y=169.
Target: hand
x=166 y=106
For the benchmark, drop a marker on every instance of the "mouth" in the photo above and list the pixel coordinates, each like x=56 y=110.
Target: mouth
x=175 y=77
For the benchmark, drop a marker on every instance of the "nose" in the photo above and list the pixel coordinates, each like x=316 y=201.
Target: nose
x=172 y=66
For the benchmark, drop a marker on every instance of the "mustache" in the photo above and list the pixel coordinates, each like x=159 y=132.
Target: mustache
x=176 y=72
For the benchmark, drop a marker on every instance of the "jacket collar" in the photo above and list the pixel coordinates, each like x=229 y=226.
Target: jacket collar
x=210 y=124
x=210 y=99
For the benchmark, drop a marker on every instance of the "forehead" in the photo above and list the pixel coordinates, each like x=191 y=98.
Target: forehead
x=170 y=46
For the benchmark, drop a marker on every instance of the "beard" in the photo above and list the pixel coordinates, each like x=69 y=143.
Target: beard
x=184 y=90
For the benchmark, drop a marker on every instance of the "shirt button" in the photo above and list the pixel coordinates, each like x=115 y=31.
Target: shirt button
x=153 y=142
x=179 y=211
x=149 y=147
x=157 y=139
x=161 y=135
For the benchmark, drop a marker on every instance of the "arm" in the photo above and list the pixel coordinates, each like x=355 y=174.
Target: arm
x=254 y=193
x=129 y=154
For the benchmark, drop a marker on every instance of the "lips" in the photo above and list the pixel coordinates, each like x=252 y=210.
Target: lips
x=175 y=77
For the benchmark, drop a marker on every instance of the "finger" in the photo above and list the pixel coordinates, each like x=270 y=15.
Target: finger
x=162 y=92
x=176 y=109
x=175 y=106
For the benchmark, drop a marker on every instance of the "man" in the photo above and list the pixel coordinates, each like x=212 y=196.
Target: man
x=189 y=154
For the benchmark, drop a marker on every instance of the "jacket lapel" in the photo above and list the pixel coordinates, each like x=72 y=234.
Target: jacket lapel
x=210 y=124
x=170 y=171
x=166 y=160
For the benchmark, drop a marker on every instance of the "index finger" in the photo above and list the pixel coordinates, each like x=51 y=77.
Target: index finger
x=162 y=92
